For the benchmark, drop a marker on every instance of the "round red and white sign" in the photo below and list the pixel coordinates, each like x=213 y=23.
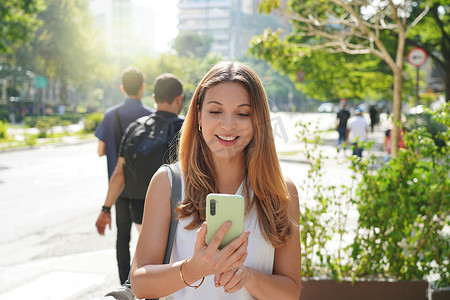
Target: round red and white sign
x=417 y=57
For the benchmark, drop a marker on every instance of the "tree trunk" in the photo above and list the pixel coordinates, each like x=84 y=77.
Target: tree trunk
x=397 y=107
x=447 y=86
x=63 y=91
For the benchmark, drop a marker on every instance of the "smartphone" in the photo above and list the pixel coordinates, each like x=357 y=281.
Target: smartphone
x=221 y=208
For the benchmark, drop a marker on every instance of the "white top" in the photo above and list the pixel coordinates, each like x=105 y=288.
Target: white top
x=357 y=126
x=260 y=256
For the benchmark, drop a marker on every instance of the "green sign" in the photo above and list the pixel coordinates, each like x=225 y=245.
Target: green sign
x=40 y=82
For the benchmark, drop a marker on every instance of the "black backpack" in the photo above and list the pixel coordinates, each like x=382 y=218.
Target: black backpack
x=145 y=147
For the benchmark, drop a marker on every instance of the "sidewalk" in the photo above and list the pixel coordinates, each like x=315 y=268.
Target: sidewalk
x=40 y=266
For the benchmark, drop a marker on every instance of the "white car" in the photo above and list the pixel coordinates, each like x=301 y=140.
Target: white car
x=326 y=107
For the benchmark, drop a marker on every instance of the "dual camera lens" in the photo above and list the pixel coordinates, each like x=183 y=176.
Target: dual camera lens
x=212 y=207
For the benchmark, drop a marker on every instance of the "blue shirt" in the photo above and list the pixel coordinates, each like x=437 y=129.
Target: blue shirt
x=130 y=110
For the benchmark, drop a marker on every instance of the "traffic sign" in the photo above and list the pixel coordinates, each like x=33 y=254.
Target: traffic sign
x=417 y=57
x=40 y=82
x=300 y=76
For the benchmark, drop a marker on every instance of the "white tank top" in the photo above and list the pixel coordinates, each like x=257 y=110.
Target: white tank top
x=260 y=256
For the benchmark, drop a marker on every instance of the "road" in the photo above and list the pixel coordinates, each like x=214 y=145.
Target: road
x=49 y=201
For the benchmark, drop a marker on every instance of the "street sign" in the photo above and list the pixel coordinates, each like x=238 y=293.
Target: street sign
x=301 y=76
x=40 y=82
x=417 y=57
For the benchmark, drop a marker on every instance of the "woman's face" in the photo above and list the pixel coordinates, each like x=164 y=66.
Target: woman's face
x=225 y=118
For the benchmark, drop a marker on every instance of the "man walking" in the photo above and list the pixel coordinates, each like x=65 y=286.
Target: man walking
x=357 y=131
x=109 y=133
x=343 y=116
x=135 y=176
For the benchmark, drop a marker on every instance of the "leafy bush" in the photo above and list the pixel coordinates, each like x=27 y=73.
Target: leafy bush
x=92 y=121
x=405 y=206
x=325 y=237
x=72 y=117
x=45 y=124
x=3 y=129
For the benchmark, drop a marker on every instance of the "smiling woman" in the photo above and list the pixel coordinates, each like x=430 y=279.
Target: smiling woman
x=226 y=147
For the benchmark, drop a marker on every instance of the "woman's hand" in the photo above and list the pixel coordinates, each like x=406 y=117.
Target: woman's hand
x=233 y=280
x=208 y=259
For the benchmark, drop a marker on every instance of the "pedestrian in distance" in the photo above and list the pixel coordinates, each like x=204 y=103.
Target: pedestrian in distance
x=109 y=133
x=226 y=146
x=374 y=117
x=387 y=143
x=134 y=170
x=357 y=131
x=343 y=115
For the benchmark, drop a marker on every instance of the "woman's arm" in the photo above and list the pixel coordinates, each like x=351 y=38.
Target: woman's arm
x=285 y=282
x=149 y=277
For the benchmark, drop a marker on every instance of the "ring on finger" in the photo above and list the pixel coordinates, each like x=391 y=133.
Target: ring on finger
x=242 y=272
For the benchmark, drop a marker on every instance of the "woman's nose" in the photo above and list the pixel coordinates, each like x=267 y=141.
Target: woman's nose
x=228 y=121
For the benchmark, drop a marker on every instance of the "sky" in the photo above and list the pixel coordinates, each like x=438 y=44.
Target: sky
x=166 y=21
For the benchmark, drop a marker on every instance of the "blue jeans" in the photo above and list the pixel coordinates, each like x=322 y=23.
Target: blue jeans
x=342 y=134
x=357 y=151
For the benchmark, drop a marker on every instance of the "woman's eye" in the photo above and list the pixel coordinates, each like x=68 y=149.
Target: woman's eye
x=243 y=114
x=214 y=112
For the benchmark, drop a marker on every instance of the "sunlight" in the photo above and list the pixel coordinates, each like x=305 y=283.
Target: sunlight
x=165 y=20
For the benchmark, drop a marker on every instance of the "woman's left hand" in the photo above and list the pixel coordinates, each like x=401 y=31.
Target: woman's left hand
x=233 y=280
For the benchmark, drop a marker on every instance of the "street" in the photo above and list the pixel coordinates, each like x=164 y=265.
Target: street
x=49 y=201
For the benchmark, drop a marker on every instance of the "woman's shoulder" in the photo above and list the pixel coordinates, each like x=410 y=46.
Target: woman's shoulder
x=293 y=194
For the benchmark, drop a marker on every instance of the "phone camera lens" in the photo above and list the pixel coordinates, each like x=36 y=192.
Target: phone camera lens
x=212 y=207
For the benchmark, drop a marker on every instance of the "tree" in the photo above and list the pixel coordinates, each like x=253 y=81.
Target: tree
x=17 y=21
x=357 y=27
x=69 y=50
x=433 y=35
x=192 y=44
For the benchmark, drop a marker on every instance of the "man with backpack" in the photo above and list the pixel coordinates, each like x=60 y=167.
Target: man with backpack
x=109 y=134
x=147 y=144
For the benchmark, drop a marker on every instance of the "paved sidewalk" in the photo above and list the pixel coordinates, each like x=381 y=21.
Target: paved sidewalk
x=39 y=266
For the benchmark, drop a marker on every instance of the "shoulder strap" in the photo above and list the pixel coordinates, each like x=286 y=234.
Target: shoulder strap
x=175 y=198
x=119 y=132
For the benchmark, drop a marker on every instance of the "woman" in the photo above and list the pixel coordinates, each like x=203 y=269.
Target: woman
x=226 y=146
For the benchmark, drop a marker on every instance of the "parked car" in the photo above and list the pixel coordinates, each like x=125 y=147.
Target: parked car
x=326 y=107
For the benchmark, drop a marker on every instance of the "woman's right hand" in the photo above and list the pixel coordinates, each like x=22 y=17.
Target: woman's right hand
x=208 y=259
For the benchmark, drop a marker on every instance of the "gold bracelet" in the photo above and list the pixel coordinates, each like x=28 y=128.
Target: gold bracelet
x=182 y=278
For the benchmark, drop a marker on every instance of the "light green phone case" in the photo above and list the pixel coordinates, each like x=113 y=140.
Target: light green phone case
x=221 y=208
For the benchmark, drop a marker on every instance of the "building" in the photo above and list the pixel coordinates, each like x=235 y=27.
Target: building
x=128 y=28
x=230 y=23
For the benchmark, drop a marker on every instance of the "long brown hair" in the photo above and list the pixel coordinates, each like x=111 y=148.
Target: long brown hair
x=262 y=167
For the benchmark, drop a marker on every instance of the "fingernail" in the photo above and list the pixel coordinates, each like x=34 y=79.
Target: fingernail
x=228 y=224
x=247 y=233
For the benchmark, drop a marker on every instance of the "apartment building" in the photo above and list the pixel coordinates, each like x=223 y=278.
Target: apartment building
x=230 y=23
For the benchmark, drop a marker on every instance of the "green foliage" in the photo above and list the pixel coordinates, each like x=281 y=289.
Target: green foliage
x=192 y=44
x=64 y=120
x=404 y=210
x=92 y=121
x=325 y=237
x=45 y=124
x=3 y=130
x=266 y=6
x=404 y=207
x=432 y=34
x=17 y=21
x=328 y=76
